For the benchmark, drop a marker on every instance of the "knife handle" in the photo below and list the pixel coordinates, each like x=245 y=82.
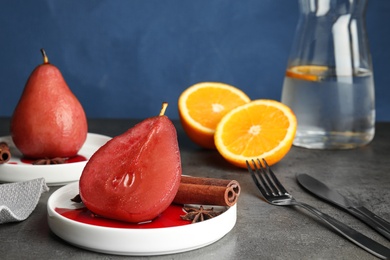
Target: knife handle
x=352 y=235
x=376 y=222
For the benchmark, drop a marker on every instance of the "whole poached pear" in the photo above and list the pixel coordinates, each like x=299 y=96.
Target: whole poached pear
x=48 y=120
x=135 y=176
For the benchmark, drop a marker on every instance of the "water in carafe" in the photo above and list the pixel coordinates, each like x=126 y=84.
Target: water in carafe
x=329 y=79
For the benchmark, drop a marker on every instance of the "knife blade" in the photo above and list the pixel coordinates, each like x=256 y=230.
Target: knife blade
x=322 y=191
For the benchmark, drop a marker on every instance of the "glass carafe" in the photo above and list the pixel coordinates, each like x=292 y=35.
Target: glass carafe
x=329 y=78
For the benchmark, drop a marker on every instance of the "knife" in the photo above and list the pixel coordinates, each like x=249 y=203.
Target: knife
x=322 y=191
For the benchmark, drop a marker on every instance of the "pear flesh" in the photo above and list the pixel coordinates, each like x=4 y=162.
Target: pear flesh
x=49 y=120
x=135 y=176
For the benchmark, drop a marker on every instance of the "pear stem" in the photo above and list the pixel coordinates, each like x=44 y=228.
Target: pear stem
x=45 y=58
x=164 y=107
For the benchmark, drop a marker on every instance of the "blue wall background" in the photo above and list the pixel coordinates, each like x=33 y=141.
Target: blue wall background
x=123 y=58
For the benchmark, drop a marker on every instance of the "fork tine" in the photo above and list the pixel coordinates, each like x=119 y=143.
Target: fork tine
x=252 y=172
x=266 y=172
x=260 y=174
x=275 y=179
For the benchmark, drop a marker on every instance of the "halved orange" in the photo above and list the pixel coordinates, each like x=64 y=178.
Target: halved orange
x=201 y=107
x=260 y=129
x=306 y=72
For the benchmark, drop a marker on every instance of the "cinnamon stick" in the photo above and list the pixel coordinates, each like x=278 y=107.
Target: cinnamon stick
x=207 y=191
x=5 y=154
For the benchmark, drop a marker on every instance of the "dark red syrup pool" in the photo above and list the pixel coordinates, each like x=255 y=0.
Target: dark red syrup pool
x=169 y=218
x=77 y=158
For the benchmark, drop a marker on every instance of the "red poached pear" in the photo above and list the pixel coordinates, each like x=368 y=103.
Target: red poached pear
x=48 y=120
x=135 y=176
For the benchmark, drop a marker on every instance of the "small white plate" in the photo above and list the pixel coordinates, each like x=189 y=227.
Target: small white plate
x=134 y=241
x=57 y=174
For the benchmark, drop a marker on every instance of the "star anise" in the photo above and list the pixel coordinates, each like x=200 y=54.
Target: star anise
x=77 y=199
x=199 y=214
x=47 y=161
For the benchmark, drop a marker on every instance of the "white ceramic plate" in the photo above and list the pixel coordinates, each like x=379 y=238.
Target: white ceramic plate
x=59 y=174
x=134 y=241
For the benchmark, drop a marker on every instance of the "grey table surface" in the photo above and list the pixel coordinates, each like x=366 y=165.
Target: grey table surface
x=262 y=231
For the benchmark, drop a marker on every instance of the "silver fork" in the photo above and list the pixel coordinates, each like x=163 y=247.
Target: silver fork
x=274 y=192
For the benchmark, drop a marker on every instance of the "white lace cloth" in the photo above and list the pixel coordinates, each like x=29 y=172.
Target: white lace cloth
x=19 y=199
